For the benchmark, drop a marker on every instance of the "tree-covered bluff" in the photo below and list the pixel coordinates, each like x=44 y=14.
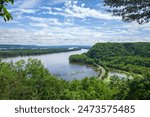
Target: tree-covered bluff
x=104 y=50
x=130 y=57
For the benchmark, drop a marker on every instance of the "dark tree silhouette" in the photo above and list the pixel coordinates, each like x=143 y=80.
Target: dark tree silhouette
x=3 y=10
x=130 y=10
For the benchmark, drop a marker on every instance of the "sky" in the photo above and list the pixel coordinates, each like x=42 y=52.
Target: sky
x=67 y=22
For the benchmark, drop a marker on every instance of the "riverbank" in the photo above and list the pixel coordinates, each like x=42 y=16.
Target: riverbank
x=101 y=70
x=98 y=68
x=58 y=64
x=30 y=52
x=128 y=74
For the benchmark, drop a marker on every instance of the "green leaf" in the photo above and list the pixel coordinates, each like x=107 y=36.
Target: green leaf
x=7 y=16
x=12 y=1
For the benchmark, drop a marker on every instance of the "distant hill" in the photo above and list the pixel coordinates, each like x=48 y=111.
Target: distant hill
x=7 y=46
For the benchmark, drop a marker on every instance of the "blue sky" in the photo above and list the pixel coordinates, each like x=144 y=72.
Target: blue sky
x=67 y=22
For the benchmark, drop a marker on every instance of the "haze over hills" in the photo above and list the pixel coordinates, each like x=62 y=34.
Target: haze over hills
x=7 y=46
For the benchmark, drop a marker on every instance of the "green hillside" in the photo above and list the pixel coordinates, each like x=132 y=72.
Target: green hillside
x=103 y=50
x=130 y=57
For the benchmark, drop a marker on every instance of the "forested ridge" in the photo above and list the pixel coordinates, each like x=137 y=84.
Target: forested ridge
x=130 y=57
x=26 y=52
x=104 y=50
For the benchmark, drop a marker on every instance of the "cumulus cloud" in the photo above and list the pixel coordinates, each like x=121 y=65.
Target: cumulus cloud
x=39 y=25
x=134 y=28
x=71 y=22
x=55 y=2
x=47 y=22
x=21 y=11
x=67 y=35
x=71 y=9
x=25 y=4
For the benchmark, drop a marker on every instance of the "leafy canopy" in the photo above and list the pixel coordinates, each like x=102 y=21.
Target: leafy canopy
x=130 y=10
x=3 y=10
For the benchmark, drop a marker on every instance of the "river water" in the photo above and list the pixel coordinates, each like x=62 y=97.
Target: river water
x=58 y=64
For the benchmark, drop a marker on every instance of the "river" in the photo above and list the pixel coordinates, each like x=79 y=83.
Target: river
x=58 y=64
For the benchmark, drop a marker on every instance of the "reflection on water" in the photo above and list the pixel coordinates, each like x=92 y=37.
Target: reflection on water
x=119 y=75
x=58 y=64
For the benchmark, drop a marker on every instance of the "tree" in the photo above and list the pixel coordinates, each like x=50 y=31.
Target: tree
x=3 y=10
x=130 y=10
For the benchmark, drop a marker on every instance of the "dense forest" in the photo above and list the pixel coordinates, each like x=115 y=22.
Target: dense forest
x=26 y=52
x=30 y=80
x=105 y=50
x=130 y=57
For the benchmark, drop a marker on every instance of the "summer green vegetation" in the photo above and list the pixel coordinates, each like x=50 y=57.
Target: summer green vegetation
x=130 y=10
x=3 y=9
x=30 y=80
x=27 y=52
x=130 y=57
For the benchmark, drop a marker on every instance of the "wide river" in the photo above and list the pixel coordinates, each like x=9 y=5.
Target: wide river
x=58 y=64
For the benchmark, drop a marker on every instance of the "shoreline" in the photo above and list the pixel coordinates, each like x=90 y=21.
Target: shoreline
x=34 y=52
x=102 y=72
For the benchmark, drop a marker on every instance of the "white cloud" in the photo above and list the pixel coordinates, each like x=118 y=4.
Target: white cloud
x=19 y=11
x=50 y=21
x=136 y=28
x=73 y=10
x=58 y=9
x=39 y=25
x=26 y=4
x=55 y=2
x=81 y=12
x=66 y=35
x=75 y=27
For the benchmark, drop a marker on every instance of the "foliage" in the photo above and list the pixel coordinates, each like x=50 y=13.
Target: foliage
x=27 y=52
x=3 y=10
x=81 y=59
x=130 y=10
x=30 y=80
x=105 y=50
x=131 y=89
x=131 y=57
x=135 y=64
